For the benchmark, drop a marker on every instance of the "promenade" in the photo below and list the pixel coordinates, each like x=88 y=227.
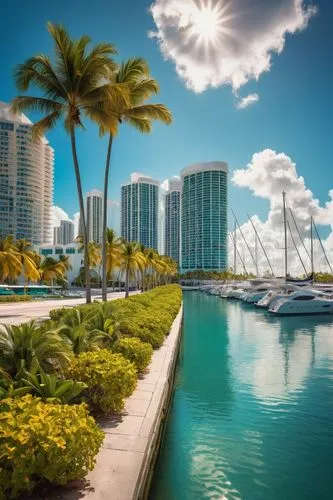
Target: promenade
x=20 y=312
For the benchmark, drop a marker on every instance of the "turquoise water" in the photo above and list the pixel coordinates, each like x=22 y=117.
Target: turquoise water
x=252 y=413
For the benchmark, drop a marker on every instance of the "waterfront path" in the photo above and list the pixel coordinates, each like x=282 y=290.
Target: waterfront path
x=20 y=312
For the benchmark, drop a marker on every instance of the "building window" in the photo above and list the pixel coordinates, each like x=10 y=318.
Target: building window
x=59 y=251
x=46 y=251
x=70 y=250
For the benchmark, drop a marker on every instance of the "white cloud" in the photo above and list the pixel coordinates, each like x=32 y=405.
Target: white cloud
x=238 y=38
x=247 y=101
x=58 y=214
x=267 y=175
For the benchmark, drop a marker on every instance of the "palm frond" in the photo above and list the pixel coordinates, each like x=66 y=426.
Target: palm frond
x=143 y=90
x=106 y=121
x=26 y=103
x=132 y=70
x=47 y=123
x=143 y=125
x=150 y=112
x=38 y=71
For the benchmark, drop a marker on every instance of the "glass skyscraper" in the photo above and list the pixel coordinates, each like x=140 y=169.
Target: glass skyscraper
x=204 y=226
x=172 y=219
x=26 y=180
x=139 y=211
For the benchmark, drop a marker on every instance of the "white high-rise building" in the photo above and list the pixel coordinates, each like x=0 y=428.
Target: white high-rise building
x=26 y=180
x=140 y=210
x=172 y=219
x=94 y=215
x=63 y=234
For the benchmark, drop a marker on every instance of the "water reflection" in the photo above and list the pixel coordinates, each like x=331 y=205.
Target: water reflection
x=252 y=416
x=274 y=355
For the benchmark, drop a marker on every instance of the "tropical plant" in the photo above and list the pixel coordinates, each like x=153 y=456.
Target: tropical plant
x=110 y=378
x=113 y=252
x=26 y=256
x=135 y=74
x=136 y=351
x=28 y=347
x=51 y=269
x=131 y=260
x=10 y=263
x=82 y=332
x=75 y=83
x=44 y=442
x=51 y=389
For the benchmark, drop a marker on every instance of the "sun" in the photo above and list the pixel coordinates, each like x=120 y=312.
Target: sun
x=206 y=22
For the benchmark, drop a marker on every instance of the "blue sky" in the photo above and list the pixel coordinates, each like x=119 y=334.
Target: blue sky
x=293 y=116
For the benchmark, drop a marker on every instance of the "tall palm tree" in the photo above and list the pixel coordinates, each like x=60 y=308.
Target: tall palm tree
x=135 y=74
x=144 y=265
x=10 y=263
x=113 y=252
x=75 y=83
x=131 y=261
x=26 y=255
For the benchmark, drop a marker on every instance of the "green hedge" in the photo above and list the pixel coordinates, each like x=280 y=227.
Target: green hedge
x=15 y=298
x=42 y=441
x=110 y=378
x=139 y=353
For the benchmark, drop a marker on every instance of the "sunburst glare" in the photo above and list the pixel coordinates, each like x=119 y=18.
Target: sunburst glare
x=207 y=21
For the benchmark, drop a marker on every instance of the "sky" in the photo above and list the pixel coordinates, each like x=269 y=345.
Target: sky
x=248 y=82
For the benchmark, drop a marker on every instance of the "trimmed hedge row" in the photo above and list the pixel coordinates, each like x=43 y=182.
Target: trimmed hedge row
x=15 y=298
x=105 y=346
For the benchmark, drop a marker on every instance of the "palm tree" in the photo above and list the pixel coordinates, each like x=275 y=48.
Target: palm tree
x=27 y=258
x=51 y=269
x=113 y=252
x=135 y=74
x=144 y=265
x=10 y=263
x=74 y=83
x=131 y=262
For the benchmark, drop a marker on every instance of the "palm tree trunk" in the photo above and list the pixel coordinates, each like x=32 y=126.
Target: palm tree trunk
x=82 y=218
x=104 y=223
x=127 y=284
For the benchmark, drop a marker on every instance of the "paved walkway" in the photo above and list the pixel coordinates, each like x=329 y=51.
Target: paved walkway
x=20 y=312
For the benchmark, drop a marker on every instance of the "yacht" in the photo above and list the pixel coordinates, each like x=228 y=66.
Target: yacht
x=303 y=302
x=254 y=295
x=274 y=295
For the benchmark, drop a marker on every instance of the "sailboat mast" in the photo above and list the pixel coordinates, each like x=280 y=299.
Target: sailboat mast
x=311 y=236
x=261 y=244
x=235 y=248
x=285 y=235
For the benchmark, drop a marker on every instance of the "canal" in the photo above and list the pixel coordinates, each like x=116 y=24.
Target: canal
x=252 y=412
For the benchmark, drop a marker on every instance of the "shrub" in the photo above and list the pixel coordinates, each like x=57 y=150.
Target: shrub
x=110 y=378
x=42 y=441
x=15 y=298
x=134 y=350
x=134 y=327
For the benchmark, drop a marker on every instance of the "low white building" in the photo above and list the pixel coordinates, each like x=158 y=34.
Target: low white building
x=71 y=250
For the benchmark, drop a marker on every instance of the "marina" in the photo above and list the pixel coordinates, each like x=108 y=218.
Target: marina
x=251 y=416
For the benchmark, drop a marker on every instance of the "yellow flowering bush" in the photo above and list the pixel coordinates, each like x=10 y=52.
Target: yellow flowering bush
x=110 y=378
x=134 y=350
x=43 y=441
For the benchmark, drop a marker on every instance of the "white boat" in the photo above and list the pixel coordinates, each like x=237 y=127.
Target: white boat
x=275 y=294
x=303 y=302
x=254 y=295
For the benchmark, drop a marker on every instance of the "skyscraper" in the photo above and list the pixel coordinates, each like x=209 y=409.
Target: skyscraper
x=204 y=217
x=63 y=234
x=172 y=219
x=139 y=210
x=94 y=214
x=26 y=180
